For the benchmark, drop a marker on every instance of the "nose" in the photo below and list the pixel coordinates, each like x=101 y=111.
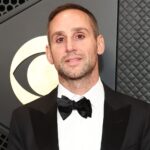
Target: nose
x=69 y=45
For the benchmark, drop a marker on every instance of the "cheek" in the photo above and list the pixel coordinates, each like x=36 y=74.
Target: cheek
x=91 y=49
x=92 y=53
x=57 y=57
x=57 y=52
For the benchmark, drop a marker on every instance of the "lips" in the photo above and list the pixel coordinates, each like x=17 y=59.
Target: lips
x=73 y=60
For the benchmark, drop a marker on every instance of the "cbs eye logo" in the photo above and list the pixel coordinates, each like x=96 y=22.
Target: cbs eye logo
x=31 y=75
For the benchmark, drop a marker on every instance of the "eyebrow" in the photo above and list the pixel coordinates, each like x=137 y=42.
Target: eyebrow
x=76 y=29
x=57 y=33
x=80 y=29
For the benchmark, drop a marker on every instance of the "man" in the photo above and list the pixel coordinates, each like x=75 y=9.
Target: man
x=54 y=122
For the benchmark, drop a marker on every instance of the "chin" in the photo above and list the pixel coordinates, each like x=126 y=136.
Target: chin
x=73 y=76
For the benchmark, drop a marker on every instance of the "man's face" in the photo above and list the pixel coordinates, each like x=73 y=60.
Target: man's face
x=73 y=47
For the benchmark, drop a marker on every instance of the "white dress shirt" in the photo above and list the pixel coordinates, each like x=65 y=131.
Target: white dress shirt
x=76 y=132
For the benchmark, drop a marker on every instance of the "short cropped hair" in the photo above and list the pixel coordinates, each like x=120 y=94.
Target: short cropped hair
x=77 y=7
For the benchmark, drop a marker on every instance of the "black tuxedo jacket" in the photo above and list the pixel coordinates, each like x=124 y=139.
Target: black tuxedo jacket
x=126 y=124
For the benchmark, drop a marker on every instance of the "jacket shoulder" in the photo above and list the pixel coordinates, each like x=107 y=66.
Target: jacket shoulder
x=121 y=99
x=41 y=104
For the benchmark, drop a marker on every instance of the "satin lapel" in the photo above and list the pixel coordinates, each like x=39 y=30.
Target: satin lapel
x=45 y=123
x=116 y=117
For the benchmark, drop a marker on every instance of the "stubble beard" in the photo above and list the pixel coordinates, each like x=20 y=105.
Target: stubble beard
x=70 y=74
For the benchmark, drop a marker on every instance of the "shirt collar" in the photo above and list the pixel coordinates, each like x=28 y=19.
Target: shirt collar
x=97 y=91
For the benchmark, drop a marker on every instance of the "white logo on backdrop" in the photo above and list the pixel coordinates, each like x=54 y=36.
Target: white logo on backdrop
x=41 y=75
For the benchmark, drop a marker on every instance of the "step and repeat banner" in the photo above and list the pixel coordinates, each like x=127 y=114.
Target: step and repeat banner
x=25 y=73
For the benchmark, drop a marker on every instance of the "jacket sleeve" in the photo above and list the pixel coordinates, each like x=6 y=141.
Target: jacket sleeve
x=145 y=139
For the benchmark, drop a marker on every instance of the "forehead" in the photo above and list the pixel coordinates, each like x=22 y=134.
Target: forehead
x=70 y=18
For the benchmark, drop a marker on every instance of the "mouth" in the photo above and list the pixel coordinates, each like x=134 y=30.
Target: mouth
x=73 y=61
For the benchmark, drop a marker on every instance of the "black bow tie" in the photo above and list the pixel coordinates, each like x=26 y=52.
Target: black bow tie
x=65 y=107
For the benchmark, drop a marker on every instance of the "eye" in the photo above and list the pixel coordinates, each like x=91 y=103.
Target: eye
x=59 y=39
x=79 y=36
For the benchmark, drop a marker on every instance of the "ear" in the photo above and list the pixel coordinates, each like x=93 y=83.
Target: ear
x=100 y=45
x=49 y=54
